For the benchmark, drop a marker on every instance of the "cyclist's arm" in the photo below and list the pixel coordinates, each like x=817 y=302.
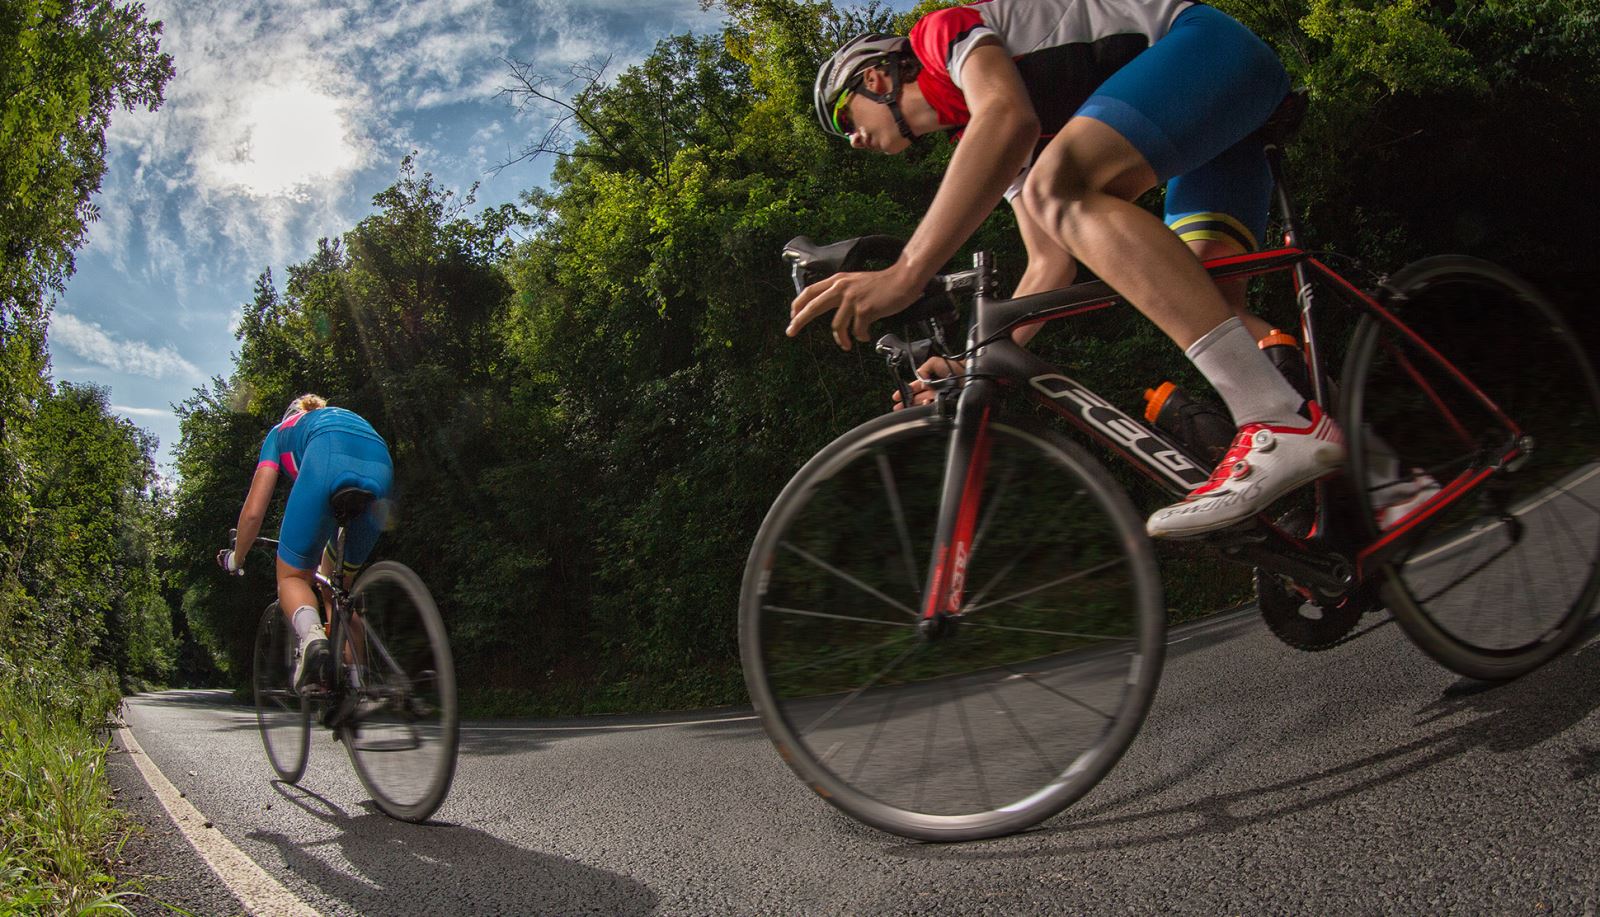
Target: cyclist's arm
x=255 y=508
x=995 y=147
x=1050 y=267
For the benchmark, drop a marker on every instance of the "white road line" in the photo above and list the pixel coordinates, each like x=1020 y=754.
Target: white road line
x=731 y=719
x=261 y=894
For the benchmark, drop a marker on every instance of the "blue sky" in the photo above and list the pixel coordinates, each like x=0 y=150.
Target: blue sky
x=283 y=119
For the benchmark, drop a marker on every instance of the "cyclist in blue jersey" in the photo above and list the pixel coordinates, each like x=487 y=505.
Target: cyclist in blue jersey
x=322 y=450
x=1071 y=109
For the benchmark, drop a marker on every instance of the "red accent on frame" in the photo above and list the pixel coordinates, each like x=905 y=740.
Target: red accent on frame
x=931 y=605
x=951 y=559
x=1464 y=483
x=1417 y=340
x=967 y=521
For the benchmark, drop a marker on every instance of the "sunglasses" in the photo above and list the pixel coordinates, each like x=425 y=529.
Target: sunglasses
x=841 y=117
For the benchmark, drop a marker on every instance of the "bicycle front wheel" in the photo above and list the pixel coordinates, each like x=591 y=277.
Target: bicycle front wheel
x=402 y=729
x=282 y=716
x=1492 y=407
x=1011 y=714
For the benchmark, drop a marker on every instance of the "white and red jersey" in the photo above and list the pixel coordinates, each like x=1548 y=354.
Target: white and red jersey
x=1063 y=49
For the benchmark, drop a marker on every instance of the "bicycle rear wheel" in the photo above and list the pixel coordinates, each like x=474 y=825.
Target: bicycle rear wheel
x=1000 y=723
x=1499 y=571
x=282 y=716
x=402 y=729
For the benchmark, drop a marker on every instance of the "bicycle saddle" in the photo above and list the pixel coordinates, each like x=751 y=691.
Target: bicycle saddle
x=350 y=502
x=1285 y=120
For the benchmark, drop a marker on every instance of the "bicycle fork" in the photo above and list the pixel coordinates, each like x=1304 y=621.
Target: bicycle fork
x=966 y=465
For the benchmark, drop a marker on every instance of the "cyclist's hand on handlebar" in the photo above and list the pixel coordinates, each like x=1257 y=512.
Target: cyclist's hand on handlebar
x=856 y=299
x=231 y=562
x=934 y=368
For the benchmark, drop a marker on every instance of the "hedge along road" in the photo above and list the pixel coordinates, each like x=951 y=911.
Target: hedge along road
x=1361 y=779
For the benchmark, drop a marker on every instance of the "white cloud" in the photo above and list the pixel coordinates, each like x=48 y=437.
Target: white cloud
x=140 y=412
x=93 y=343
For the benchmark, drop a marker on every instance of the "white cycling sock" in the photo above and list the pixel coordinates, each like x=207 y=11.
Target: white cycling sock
x=1252 y=387
x=305 y=618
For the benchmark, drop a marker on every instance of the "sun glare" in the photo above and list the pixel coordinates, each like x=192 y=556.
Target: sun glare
x=280 y=139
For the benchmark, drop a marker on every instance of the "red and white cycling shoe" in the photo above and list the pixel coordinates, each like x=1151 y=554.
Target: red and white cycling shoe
x=1397 y=501
x=1265 y=462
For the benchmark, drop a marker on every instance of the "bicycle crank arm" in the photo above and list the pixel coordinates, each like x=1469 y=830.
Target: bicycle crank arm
x=1327 y=573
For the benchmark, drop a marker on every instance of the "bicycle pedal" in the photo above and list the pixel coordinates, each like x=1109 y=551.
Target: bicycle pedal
x=1246 y=532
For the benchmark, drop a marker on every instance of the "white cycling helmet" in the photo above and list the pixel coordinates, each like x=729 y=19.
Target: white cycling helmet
x=842 y=72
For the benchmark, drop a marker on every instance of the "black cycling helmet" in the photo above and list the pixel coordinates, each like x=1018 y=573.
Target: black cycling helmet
x=841 y=74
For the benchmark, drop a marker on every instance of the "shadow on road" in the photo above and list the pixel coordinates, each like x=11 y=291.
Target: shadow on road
x=1498 y=719
x=437 y=868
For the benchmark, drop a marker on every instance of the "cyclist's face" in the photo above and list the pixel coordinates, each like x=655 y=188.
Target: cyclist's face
x=870 y=125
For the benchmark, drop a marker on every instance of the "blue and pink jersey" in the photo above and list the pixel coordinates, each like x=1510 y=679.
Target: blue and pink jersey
x=285 y=445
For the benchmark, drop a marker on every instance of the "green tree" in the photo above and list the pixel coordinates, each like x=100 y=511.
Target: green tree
x=88 y=557
x=65 y=66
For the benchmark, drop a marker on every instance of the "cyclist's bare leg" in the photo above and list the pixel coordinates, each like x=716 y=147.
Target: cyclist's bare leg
x=294 y=589
x=1233 y=291
x=1081 y=193
x=326 y=568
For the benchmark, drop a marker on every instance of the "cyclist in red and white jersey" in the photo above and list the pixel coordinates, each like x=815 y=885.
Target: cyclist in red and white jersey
x=1069 y=110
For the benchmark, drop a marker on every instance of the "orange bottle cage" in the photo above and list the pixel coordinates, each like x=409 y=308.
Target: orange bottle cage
x=1156 y=398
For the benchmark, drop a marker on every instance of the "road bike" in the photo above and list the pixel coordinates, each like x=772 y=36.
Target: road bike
x=391 y=697
x=952 y=622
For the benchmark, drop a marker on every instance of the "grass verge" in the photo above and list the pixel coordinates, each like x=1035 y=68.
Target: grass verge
x=58 y=830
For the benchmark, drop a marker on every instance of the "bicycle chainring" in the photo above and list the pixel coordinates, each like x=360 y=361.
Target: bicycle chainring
x=1306 y=623
x=1299 y=617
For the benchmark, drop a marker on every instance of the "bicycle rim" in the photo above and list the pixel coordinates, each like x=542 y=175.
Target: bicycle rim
x=402 y=729
x=282 y=716
x=1038 y=691
x=1499 y=572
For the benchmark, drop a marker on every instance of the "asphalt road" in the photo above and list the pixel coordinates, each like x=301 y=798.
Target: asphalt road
x=1364 y=779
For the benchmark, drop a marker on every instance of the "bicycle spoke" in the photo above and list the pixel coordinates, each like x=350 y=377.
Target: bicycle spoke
x=1016 y=559
x=1053 y=583
x=995 y=500
x=829 y=616
x=1066 y=697
x=1016 y=723
x=1076 y=635
x=907 y=555
x=872 y=740
x=840 y=657
x=850 y=698
x=824 y=565
x=972 y=747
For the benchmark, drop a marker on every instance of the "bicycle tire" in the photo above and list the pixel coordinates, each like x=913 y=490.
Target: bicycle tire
x=1496 y=582
x=828 y=539
x=282 y=716
x=402 y=730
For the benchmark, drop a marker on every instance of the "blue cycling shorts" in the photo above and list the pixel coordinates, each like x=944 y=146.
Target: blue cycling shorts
x=1189 y=103
x=333 y=460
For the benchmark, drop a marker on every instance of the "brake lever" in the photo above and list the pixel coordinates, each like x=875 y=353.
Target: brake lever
x=895 y=349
